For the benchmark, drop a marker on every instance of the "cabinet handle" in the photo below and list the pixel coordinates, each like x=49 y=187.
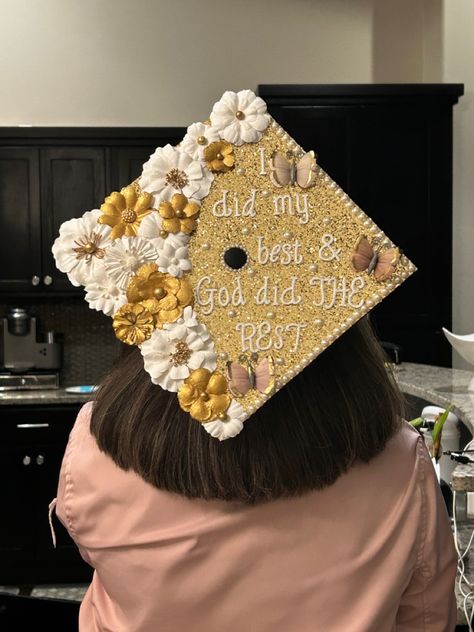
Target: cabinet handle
x=29 y=426
x=48 y=280
x=26 y=460
x=39 y=459
x=35 y=280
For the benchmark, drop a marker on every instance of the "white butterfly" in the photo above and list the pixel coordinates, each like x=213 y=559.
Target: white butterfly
x=290 y=171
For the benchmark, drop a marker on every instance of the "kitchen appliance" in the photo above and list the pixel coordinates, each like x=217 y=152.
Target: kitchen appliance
x=25 y=361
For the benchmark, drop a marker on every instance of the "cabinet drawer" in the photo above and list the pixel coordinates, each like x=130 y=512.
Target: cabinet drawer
x=28 y=425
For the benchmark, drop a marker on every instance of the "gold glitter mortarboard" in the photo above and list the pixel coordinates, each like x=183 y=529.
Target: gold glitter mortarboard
x=233 y=262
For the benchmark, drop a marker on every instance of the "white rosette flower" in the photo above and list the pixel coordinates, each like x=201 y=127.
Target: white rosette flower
x=241 y=117
x=151 y=228
x=174 y=261
x=173 y=352
x=170 y=170
x=80 y=249
x=223 y=429
x=104 y=295
x=198 y=137
x=125 y=256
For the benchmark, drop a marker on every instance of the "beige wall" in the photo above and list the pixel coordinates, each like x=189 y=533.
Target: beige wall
x=165 y=62
x=459 y=67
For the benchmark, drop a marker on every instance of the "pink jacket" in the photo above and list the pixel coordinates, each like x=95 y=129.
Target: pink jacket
x=372 y=553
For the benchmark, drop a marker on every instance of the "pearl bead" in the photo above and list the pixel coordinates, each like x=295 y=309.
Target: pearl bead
x=232 y=313
x=270 y=315
x=327 y=221
x=265 y=193
x=222 y=416
x=204 y=397
x=313 y=267
x=239 y=115
x=179 y=214
x=223 y=355
x=202 y=140
x=245 y=231
x=287 y=235
x=219 y=156
x=163 y=233
x=206 y=246
x=240 y=171
x=319 y=322
x=251 y=272
x=280 y=361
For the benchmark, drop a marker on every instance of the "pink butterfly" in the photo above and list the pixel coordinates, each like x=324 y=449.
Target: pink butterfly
x=289 y=170
x=246 y=375
x=381 y=264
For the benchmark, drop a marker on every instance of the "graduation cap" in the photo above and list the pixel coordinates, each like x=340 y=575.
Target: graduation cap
x=233 y=261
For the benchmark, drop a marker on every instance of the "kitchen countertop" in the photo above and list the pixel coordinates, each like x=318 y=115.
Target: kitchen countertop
x=443 y=386
x=43 y=396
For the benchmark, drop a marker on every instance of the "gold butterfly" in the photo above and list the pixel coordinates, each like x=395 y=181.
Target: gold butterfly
x=288 y=170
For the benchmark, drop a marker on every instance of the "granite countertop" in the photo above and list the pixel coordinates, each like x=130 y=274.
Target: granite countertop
x=43 y=396
x=443 y=386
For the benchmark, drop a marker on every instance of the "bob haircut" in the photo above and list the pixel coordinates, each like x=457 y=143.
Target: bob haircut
x=342 y=408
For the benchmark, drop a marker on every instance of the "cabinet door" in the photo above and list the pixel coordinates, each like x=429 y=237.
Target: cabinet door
x=17 y=544
x=127 y=164
x=20 y=252
x=72 y=182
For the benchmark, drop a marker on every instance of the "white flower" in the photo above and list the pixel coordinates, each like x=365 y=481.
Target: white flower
x=198 y=137
x=150 y=228
x=187 y=321
x=174 y=351
x=174 y=261
x=103 y=295
x=125 y=256
x=170 y=170
x=81 y=246
x=240 y=117
x=230 y=427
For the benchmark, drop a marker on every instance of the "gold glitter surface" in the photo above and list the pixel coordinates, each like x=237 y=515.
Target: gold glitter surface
x=310 y=250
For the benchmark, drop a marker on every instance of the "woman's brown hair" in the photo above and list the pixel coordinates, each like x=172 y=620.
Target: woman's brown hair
x=341 y=408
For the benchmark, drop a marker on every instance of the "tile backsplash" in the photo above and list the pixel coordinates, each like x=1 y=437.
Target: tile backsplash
x=87 y=337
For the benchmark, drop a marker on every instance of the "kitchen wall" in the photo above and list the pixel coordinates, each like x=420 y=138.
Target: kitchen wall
x=88 y=341
x=458 y=34
x=157 y=62
x=151 y=62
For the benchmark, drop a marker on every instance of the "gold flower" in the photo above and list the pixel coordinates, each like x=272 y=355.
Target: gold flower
x=125 y=210
x=219 y=156
x=204 y=395
x=164 y=296
x=178 y=214
x=133 y=324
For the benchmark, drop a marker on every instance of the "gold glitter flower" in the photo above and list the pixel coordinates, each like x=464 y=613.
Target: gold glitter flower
x=133 y=324
x=164 y=296
x=204 y=395
x=125 y=210
x=179 y=214
x=219 y=156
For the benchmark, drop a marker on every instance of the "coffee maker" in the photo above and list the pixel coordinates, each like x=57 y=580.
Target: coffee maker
x=25 y=362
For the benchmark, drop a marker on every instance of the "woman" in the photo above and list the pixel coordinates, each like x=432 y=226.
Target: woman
x=324 y=514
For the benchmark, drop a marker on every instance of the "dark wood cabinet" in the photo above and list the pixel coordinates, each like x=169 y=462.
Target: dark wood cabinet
x=50 y=175
x=20 y=221
x=390 y=148
x=34 y=441
x=73 y=180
